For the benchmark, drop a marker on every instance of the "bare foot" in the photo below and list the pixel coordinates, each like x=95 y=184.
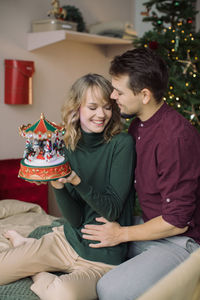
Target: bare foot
x=15 y=238
x=41 y=275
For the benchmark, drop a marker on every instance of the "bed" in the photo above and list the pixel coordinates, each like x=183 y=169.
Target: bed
x=24 y=208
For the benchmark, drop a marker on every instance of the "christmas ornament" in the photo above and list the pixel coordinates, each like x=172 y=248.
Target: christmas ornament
x=153 y=45
x=177 y=38
x=159 y=22
x=145 y=13
x=188 y=63
x=176 y=3
x=189 y=21
x=43 y=158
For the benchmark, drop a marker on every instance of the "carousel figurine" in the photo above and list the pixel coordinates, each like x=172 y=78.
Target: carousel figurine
x=43 y=158
x=57 y=12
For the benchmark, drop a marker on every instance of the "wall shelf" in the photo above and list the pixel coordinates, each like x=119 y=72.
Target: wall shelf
x=38 y=40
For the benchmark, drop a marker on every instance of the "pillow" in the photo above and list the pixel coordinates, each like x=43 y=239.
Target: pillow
x=10 y=207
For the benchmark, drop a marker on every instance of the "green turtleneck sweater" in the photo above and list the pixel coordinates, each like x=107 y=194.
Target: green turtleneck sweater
x=106 y=189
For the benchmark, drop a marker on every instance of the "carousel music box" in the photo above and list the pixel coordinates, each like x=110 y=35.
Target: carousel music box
x=43 y=158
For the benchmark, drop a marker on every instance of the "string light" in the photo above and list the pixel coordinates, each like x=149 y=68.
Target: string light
x=185 y=60
x=192 y=117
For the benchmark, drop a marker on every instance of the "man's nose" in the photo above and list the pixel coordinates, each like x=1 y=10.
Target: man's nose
x=114 y=95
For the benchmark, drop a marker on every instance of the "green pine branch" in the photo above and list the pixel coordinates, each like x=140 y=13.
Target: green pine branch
x=174 y=38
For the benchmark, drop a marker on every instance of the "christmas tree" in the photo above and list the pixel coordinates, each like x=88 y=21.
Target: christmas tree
x=173 y=36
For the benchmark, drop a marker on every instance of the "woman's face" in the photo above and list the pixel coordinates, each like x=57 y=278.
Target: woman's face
x=95 y=112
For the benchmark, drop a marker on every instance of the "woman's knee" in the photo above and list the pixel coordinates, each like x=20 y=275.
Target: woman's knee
x=51 y=287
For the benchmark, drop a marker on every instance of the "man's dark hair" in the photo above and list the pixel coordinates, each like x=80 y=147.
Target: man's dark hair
x=145 y=70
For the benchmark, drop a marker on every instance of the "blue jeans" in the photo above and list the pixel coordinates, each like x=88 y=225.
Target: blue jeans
x=151 y=260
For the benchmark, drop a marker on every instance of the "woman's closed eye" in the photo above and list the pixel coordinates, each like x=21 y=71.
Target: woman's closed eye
x=108 y=107
x=92 y=107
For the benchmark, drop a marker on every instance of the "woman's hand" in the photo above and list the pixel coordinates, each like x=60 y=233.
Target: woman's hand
x=108 y=234
x=37 y=182
x=73 y=178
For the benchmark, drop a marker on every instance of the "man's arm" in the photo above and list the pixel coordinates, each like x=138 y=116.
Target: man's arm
x=111 y=233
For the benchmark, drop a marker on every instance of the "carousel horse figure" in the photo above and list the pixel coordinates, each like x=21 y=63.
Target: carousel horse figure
x=57 y=11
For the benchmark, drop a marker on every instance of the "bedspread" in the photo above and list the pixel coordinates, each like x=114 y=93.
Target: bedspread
x=20 y=216
x=29 y=220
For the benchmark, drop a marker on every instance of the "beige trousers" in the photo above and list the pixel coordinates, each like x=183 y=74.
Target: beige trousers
x=50 y=253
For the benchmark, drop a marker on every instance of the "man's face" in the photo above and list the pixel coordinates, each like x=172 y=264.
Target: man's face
x=129 y=104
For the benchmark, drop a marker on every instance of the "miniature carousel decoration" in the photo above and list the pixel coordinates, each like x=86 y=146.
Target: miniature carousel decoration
x=43 y=158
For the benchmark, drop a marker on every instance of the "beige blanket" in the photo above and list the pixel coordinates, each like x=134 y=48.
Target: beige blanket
x=20 y=216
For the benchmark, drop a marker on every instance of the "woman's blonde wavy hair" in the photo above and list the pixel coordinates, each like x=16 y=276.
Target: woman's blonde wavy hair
x=76 y=96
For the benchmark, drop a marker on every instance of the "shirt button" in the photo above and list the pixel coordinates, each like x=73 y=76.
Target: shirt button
x=188 y=223
x=139 y=137
x=168 y=200
x=135 y=181
x=142 y=125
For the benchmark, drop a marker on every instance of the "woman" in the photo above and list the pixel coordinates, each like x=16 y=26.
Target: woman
x=100 y=185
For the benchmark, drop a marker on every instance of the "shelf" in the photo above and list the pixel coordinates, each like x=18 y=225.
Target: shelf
x=38 y=40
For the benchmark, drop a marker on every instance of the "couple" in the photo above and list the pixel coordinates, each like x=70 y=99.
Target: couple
x=97 y=198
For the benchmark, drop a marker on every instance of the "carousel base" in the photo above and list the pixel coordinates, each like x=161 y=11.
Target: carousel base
x=44 y=173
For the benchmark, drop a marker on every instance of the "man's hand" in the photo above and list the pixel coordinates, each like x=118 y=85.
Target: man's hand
x=108 y=234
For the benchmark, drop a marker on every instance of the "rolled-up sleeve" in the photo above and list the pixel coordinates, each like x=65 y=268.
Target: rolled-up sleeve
x=178 y=171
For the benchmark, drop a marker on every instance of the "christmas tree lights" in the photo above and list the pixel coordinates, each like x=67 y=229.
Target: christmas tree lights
x=173 y=36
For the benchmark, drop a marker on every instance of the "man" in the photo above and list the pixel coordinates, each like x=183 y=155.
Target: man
x=167 y=181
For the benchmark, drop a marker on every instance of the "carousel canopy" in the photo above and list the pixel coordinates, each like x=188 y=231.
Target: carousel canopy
x=42 y=129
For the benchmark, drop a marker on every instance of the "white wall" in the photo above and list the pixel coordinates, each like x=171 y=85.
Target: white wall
x=57 y=66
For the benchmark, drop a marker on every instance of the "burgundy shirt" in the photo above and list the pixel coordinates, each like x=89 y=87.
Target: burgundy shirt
x=167 y=178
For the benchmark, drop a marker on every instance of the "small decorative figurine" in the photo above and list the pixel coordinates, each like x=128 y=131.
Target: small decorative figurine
x=57 y=12
x=43 y=158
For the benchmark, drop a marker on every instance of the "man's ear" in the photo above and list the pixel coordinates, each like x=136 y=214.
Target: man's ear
x=146 y=96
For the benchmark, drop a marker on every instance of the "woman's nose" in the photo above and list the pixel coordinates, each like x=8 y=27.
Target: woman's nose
x=100 y=112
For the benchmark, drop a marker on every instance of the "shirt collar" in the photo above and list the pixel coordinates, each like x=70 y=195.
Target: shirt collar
x=157 y=116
